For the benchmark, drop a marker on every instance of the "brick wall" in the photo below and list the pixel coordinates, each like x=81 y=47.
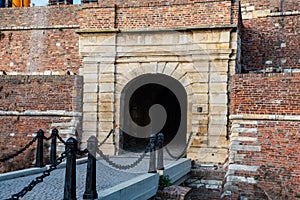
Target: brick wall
x=271 y=42
x=30 y=51
x=157 y=14
x=30 y=103
x=43 y=39
x=272 y=94
x=267 y=41
x=39 y=16
x=270 y=36
x=264 y=139
x=21 y=93
x=39 y=39
x=279 y=141
x=263 y=159
x=273 y=5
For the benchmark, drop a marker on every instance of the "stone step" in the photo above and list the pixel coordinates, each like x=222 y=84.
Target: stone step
x=207 y=172
x=203 y=194
x=209 y=184
x=206 y=181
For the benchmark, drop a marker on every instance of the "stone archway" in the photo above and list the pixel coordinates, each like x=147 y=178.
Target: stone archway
x=141 y=94
x=200 y=59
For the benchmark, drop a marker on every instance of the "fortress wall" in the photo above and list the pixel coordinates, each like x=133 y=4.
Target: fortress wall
x=42 y=39
x=30 y=103
x=270 y=36
x=39 y=40
x=264 y=138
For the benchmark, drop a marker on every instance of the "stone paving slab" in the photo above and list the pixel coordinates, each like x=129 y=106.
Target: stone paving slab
x=52 y=187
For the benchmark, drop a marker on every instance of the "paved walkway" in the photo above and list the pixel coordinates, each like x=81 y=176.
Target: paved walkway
x=53 y=186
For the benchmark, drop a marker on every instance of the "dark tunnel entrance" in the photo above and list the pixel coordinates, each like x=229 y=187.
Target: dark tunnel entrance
x=150 y=90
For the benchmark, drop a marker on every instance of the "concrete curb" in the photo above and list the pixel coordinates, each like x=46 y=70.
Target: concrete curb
x=142 y=187
x=145 y=186
x=172 y=170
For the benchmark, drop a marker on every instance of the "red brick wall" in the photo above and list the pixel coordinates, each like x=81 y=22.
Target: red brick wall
x=278 y=175
x=39 y=50
x=37 y=93
x=273 y=94
x=39 y=16
x=38 y=39
x=21 y=93
x=262 y=39
x=157 y=14
x=273 y=5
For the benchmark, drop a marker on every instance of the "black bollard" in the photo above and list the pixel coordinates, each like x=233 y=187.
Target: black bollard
x=39 y=150
x=70 y=178
x=152 y=161
x=90 y=183
x=53 y=146
x=160 y=153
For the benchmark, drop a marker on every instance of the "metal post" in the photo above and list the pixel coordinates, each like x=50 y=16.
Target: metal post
x=152 y=161
x=90 y=183
x=53 y=146
x=39 y=150
x=160 y=154
x=70 y=178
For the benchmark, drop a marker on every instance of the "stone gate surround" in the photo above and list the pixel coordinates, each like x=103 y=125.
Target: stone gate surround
x=200 y=58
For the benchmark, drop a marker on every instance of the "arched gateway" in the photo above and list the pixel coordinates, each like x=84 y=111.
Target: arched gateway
x=137 y=98
x=185 y=72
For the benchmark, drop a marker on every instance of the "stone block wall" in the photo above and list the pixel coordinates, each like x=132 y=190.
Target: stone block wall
x=264 y=137
x=30 y=103
x=270 y=36
x=201 y=60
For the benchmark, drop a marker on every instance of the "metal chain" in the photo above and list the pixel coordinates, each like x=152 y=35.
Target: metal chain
x=110 y=132
x=83 y=152
x=124 y=167
x=184 y=150
x=60 y=139
x=114 y=142
x=48 y=138
x=40 y=179
x=19 y=151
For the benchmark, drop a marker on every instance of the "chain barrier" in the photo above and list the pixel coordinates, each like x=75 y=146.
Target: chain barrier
x=60 y=139
x=83 y=152
x=40 y=179
x=114 y=142
x=124 y=167
x=19 y=151
x=48 y=138
x=184 y=150
x=105 y=139
x=30 y=143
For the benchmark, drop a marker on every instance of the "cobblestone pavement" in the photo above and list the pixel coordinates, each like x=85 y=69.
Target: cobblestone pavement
x=52 y=187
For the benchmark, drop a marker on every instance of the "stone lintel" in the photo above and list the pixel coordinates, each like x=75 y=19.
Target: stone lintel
x=61 y=113
x=265 y=117
x=244 y=148
x=146 y=30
